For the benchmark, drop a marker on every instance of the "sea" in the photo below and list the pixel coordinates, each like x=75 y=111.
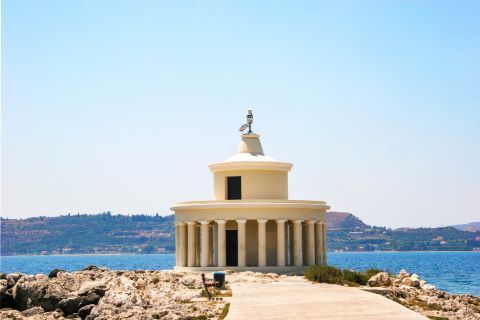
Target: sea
x=454 y=272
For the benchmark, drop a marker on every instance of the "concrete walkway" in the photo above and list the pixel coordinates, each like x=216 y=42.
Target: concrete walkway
x=296 y=298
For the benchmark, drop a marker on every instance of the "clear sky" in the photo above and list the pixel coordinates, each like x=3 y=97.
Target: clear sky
x=121 y=105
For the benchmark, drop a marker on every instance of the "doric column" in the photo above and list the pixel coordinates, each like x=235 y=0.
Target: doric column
x=262 y=242
x=297 y=243
x=191 y=243
x=210 y=244
x=324 y=229
x=290 y=243
x=177 y=240
x=319 y=243
x=311 y=242
x=221 y=243
x=281 y=242
x=215 y=244
x=182 y=244
x=242 y=253
x=205 y=248
x=197 y=245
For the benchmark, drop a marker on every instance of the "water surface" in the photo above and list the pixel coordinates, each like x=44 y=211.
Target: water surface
x=456 y=272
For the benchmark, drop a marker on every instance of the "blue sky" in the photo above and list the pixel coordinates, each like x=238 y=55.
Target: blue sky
x=121 y=105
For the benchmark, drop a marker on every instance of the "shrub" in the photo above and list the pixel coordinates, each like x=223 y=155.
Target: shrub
x=333 y=275
x=355 y=277
x=372 y=271
x=324 y=274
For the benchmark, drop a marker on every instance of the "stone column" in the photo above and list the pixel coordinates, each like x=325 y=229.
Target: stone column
x=182 y=244
x=297 y=243
x=281 y=242
x=324 y=233
x=290 y=243
x=221 y=243
x=177 y=240
x=262 y=242
x=311 y=242
x=210 y=245
x=215 y=244
x=242 y=253
x=319 y=243
x=197 y=245
x=205 y=248
x=191 y=243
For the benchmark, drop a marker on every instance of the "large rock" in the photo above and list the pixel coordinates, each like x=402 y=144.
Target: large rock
x=90 y=268
x=91 y=298
x=32 y=311
x=6 y=300
x=397 y=282
x=411 y=282
x=403 y=274
x=39 y=291
x=71 y=305
x=98 y=287
x=54 y=273
x=3 y=286
x=381 y=279
x=428 y=287
x=12 y=278
x=83 y=312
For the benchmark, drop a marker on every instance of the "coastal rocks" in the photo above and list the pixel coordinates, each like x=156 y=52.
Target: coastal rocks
x=55 y=272
x=32 y=311
x=12 y=278
x=7 y=282
x=90 y=267
x=3 y=286
x=83 y=312
x=428 y=287
x=403 y=274
x=381 y=279
x=100 y=294
x=418 y=295
x=70 y=305
x=17 y=315
x=411 y=282
x=38 y=291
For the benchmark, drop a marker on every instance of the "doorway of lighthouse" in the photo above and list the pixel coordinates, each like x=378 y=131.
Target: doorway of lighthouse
x=232 y=247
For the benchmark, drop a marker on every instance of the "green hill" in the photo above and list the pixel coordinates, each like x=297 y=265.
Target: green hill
x=108 y=233
x=81 y=233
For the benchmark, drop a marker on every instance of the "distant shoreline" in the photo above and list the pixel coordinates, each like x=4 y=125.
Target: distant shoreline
x=166 y=253
x=84 y=254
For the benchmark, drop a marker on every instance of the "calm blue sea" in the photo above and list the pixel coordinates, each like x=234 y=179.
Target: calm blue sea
x=455 y=272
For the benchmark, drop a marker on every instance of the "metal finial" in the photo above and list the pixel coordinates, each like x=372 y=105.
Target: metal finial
x=249 y=122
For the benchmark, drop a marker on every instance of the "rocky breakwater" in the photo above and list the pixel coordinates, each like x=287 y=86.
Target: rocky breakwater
x=414 y=293
x=104 y=294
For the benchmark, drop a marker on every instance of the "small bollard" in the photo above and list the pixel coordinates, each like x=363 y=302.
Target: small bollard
x=219 y=278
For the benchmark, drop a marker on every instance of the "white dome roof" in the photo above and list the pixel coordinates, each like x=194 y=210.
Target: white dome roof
x=250 y=156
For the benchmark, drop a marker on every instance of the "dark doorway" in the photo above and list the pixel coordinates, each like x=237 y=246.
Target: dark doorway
x=234 y=188
x=232 y=247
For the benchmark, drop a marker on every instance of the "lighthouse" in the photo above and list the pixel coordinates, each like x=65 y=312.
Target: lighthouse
x=251 y=224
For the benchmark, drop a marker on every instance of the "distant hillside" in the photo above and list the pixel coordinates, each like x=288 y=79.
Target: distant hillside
x=343 y=220
x=81 y=233
x=108 y=233
x=471 y=227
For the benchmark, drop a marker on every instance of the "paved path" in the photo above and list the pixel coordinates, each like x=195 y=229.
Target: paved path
x=296 y=298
